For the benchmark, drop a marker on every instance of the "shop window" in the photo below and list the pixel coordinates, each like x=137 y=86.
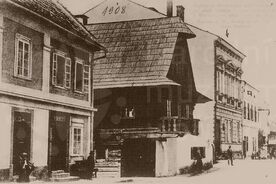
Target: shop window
x=77 y=139
x=195 y=150
x=23 y=57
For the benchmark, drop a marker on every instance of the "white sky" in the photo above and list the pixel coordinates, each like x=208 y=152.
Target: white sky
x=252 y=28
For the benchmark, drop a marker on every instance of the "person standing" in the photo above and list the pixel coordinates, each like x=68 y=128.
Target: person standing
x=199 y=164
x=230 y=155
x=90 y=165
x=25 y=168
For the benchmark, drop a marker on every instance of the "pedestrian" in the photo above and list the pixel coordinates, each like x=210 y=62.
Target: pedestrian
x=199 y=163
x=90 y=164
x=230 y=155
x=25 y=168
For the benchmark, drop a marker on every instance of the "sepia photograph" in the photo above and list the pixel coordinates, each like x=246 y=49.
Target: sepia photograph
x=138 y=91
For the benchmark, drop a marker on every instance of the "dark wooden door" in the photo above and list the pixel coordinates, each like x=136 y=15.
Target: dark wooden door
x=218 y=136
x=21 y=137
x=58 y=141
x=138 y=158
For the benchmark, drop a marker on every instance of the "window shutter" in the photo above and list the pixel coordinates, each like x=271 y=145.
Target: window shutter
x=16 y=57
x=54 y=70
x=86 y=78
x=68 y=73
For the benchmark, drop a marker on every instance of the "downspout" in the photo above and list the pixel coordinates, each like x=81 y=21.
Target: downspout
x=92 y=99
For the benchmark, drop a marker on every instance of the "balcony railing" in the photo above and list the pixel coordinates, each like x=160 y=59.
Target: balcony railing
x=175 y=124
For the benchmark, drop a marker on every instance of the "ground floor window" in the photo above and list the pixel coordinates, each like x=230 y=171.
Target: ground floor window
x=77 y=139
x=196 y=150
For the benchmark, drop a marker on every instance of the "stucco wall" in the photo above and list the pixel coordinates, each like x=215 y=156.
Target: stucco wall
x=120 y=10
x=40 y=137
x=184 y=146
x=12 y=28
x=5 y=135
x=202 y=55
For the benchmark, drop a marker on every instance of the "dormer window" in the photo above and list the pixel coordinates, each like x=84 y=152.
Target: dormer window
x=23 y=57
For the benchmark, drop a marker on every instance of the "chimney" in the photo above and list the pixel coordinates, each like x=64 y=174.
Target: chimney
x=82 y=19
x=169 y=8
x=180 y=12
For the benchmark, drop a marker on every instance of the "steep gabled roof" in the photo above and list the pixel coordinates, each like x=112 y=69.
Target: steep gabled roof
x=139 y=53
x=56 y=13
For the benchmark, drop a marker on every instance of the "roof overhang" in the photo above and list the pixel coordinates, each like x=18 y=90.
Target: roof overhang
x=200 y=98
x=138 y=83
x=137 y=133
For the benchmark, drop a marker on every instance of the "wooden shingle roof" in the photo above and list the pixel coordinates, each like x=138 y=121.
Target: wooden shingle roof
x=139 y=53
x=56 y=13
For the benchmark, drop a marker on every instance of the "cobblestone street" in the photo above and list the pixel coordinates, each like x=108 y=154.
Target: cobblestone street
x=243 y=171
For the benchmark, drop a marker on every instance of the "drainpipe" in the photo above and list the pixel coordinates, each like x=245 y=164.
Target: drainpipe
x=92 y=59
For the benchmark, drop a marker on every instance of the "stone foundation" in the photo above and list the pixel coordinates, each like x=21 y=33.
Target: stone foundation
x=4 y=175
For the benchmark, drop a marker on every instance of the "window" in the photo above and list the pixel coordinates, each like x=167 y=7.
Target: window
x=196 y=150
x=77 y=139
x=128 y=113
x=23 y=57
x=81 y=76
x=61 y=70
x=244 y=110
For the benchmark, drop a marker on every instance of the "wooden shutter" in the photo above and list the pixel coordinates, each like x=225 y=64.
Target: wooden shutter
x=67 y=72
x=86 y=78
x=54 y=69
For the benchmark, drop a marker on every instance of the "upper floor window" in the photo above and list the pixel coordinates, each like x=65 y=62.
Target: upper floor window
x=81 y=76
x=23 y=57
x=61 y=74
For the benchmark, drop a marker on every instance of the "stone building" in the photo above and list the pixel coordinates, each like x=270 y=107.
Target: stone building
x=251 y=121
x=46 y=97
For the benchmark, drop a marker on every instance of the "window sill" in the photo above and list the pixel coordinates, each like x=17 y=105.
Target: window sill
x=80 y=92
x=74 y=155
x=61 y=87
x=22 y=77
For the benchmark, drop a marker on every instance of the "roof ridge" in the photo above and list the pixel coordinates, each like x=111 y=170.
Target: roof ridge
x=219 y=37
x=146 y=7
x=95 y=7
x=138 y=20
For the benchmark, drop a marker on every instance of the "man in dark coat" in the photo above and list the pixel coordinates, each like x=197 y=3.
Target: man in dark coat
x=25 y=168
x=90 y=164
x=199 y=163
x=230 y=155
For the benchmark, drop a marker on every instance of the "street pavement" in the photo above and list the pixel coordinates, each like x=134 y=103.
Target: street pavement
x=243 y=172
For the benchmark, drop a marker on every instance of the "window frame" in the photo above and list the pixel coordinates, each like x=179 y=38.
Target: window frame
x=24 y=40
x=76 y=125
x=79 y=61
x=57 y=53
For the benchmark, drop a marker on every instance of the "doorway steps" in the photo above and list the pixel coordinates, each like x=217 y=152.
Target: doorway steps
x=108 y=169
x=61 y=176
